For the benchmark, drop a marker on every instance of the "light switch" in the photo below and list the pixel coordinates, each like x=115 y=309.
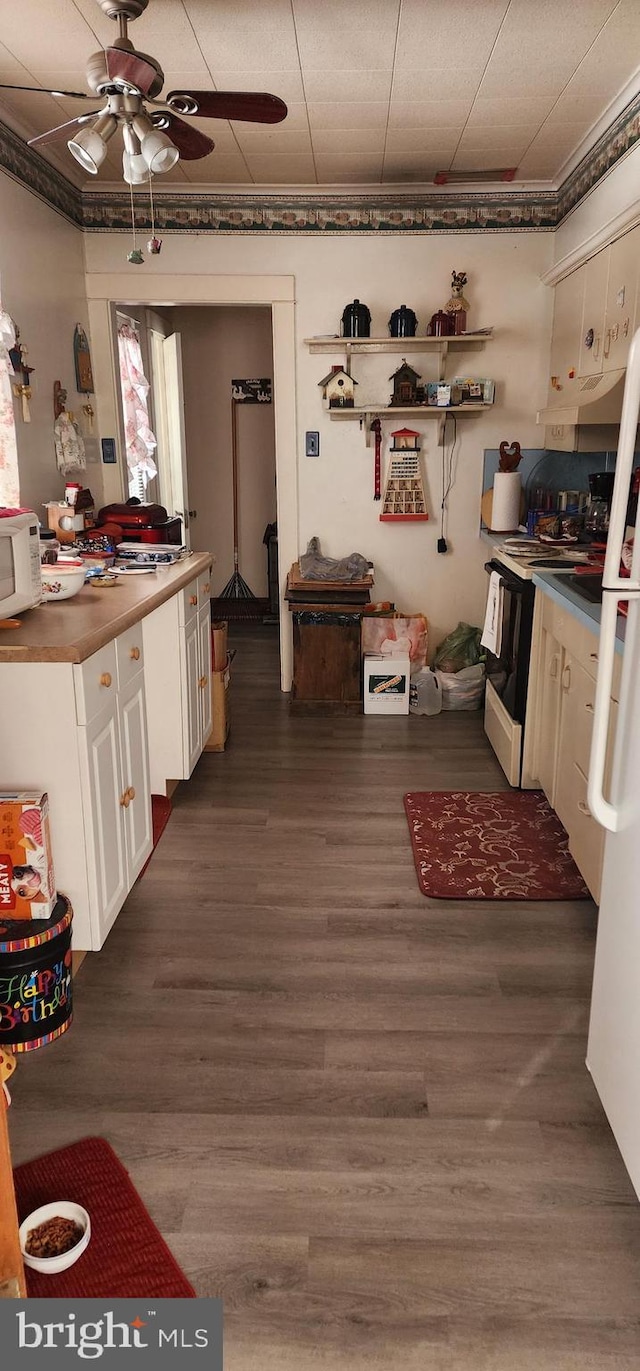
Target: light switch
x=312 y=443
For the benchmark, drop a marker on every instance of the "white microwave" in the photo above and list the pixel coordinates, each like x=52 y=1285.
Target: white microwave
x=20 y=576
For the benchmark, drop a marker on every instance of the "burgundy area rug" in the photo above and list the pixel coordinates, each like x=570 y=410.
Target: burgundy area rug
x=126 y=1254
x=160 y=815
x=504 y=846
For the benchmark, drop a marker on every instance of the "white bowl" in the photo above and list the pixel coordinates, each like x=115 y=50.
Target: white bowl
x=62 y=580
x=65 y=1209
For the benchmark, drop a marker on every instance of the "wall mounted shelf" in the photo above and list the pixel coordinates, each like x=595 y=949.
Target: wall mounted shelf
x=367 y=413
x=470 y=342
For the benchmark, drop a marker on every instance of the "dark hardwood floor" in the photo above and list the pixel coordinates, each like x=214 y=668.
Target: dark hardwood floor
x=360 y=1116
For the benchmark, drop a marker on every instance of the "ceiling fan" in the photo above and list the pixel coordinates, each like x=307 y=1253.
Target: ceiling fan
x=153 y=139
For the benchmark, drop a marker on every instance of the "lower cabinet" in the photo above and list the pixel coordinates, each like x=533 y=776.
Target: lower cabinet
x=177 y=649
x=114 y=767
x=567 y=661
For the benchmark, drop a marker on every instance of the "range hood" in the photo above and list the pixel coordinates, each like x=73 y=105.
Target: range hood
x=593 y=400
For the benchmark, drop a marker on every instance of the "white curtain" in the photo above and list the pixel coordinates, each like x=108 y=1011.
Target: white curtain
x=139 y=439
x=9 y=481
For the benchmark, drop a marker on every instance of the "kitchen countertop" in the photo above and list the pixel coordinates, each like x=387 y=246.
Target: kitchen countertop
x=556 y=586
x=72 y=630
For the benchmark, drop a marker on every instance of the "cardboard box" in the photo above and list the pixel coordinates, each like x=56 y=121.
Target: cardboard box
x=219 y=645
x=220 y=682
x=386 y=684
x=27 y=880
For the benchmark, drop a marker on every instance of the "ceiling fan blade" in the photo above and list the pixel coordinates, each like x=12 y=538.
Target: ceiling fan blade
x=42 y=90
x=131 y=68
x=190 y=142
x=254 y=106
x=62 y=130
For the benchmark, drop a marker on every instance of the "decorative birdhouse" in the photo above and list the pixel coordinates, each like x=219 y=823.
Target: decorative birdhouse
x=338 y=389
x=405 y=385
x=405 y=440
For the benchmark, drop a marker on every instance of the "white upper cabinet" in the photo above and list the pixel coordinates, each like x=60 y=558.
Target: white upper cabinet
x=593 y=314
x=621 y=299
x=566 y=337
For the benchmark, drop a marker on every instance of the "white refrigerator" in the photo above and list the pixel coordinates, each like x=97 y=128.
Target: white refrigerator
x=613 y=1054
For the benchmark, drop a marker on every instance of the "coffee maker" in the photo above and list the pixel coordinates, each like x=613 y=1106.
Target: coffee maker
x=600 y=495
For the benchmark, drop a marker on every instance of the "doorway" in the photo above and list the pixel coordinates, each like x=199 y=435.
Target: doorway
x=166 y=291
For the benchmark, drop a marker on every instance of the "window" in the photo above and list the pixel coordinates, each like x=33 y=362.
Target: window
x=9 y=478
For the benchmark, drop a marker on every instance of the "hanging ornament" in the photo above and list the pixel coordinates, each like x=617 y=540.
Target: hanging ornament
x=377 y=430
x=135 y=256
x=82 y=359
x=22 y=387
x=154 y=244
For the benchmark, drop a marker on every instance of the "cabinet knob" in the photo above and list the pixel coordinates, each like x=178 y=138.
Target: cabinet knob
x=553 y=666
x=105 y=679
x=207 y=588
x=131 y=792
x=589 y=707
x=135 y=654
x=593 y=656
x=583 y=807
x=124 y=800
x=566 y=677
x=193 y=599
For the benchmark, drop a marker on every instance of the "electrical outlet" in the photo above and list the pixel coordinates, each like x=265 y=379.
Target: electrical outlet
x=312 y=443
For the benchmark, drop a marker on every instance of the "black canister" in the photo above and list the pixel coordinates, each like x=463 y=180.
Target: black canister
x=35 y=979
x=356 y=321
x=403 y=323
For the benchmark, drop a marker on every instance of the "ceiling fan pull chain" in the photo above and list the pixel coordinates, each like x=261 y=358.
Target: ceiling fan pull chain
x=135 y=255
x=154 y=244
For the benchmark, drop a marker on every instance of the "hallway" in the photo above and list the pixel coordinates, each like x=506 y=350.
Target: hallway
x=361 y=1117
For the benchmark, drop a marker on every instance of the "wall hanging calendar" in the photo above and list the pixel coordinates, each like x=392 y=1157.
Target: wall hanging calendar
x=252 y=391
x=404 y=498
x=22 y=387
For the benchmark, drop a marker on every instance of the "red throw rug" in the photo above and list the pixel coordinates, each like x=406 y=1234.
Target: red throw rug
x=126 y=1254
x=160 y=815
x=504 y=846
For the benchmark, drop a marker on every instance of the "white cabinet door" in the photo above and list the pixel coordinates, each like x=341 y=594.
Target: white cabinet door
x=593 y=311
x=549 y=713
x=204 y=635
x=565 y=338
x=621 y=299
x=101 y=770
x=135 y=773
x=191 y=691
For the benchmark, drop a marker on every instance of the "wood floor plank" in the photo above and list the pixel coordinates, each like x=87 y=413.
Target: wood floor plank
x=361 y=1116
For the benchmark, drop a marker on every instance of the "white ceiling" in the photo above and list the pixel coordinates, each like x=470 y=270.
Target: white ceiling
x=379 y=91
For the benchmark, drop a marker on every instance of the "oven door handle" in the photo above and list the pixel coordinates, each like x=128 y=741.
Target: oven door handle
x=513 y=584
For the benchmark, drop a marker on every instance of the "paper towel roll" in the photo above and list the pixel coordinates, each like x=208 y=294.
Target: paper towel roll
x=505 y=511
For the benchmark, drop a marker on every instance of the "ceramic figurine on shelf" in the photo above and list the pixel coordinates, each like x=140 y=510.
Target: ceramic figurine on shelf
x=337 y=389
x=457 y=306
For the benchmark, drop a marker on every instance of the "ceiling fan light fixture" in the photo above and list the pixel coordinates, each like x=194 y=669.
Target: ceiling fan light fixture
x=89 y=149
x=159 y=153
x=134 y=168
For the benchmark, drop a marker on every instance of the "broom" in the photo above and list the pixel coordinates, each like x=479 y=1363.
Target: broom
x=236 y=588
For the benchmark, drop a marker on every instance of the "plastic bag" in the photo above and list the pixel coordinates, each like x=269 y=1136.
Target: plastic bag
x=315 y=567
x=459 y=649
x=398 y=633
x=462 y=689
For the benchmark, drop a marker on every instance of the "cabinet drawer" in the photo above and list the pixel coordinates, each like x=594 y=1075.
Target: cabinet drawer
x=204 y=588
x=188 y=601
x=129 y=654
x=95 y=682
x=586 y=837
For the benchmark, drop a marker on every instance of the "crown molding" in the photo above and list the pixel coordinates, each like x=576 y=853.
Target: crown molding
x=370 y=210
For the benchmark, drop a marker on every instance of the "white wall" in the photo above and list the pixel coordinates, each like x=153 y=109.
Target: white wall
x=218 y=345
x=336 y=490
x=43 y=289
